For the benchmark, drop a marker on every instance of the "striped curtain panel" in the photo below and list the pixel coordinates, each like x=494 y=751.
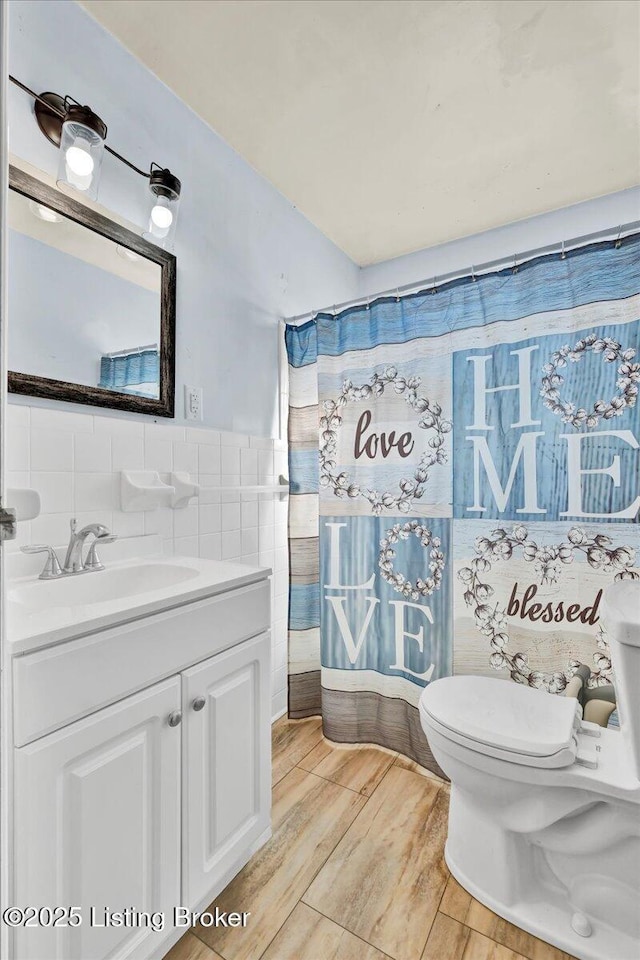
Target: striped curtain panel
x=465 y=482
x=135 y=372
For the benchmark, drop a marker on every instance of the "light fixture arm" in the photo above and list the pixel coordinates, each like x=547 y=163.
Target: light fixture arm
x=132 y=166
x=81 y=135
x=36 y=96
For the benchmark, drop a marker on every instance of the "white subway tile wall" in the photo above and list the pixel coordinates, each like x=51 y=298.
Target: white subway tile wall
x=74 y=461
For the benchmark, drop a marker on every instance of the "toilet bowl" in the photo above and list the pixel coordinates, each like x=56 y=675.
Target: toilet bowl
x=544 y=822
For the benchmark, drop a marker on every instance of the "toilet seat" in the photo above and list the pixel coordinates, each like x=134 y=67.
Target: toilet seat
x=504 y=720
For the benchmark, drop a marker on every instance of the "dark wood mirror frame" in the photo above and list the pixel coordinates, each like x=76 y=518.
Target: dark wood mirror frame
x=34 y=386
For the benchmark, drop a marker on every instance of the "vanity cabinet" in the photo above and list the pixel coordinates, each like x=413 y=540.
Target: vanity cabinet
x=227 y=773
x=154 y=801
x=98 y=825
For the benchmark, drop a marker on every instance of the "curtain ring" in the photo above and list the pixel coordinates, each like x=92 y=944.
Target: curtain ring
x=434 y=288
x=473 y=274
x=563 y=255
x=367 y=303
x=515 y=263
x=618 y=242
x=397 y=294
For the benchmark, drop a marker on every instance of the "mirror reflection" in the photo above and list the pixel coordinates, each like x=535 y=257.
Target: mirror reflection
x=86 y=310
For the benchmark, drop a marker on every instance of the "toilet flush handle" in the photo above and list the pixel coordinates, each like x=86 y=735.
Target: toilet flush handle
x=589 y=729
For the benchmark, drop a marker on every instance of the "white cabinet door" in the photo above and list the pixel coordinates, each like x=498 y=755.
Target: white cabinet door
x=226 y=764
x=98 y=826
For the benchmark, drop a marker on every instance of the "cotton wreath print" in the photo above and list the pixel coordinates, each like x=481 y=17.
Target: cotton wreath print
x=429 y=418
x=548 y=562
x=628 y=381
x=423 y=586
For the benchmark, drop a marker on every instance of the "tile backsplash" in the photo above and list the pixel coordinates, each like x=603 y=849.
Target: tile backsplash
x=74 y=461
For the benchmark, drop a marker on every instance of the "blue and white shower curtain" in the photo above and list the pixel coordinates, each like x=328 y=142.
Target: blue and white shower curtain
x=124 y=372
x=465 y=481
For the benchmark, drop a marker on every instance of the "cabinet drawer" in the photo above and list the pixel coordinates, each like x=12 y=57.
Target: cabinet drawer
x=60 y=684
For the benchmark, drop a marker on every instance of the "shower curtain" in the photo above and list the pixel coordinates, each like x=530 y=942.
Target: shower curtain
x=465 y=482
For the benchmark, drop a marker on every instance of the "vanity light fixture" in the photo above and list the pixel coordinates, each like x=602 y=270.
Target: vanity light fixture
x=81 y=136
x=82 y=142
x=44 y=213
x=126 y=254
x=163 y=212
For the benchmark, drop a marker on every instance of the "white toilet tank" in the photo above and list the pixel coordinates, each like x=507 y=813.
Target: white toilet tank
x=621 y=619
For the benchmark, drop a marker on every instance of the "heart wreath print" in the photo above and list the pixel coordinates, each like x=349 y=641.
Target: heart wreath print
x=548 y=562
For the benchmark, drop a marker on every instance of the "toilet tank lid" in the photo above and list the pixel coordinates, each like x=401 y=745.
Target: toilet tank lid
x=502 y=714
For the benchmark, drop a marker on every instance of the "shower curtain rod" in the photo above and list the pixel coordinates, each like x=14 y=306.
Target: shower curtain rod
x=489 y=266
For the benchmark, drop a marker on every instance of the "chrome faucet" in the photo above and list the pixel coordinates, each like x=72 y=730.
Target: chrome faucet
x=73 y=563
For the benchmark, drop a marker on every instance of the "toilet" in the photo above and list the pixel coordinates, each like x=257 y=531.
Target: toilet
x=544 y=822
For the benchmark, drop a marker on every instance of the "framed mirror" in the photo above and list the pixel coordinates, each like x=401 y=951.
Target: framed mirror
x=91 y=305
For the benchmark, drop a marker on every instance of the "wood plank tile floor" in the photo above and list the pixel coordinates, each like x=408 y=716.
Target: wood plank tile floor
x=355 y=868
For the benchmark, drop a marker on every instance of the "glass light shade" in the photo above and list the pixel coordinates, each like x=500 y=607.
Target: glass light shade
x=44 y=213
x=81 y=152
x=163 y=208
x=127 y=254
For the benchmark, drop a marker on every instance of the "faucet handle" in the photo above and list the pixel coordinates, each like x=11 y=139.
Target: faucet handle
x=52 y=568
x=93 y=561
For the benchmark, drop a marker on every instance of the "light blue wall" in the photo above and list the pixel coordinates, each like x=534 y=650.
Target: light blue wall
x=246 y=256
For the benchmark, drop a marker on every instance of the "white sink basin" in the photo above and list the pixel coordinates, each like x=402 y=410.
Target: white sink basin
x=100 y=586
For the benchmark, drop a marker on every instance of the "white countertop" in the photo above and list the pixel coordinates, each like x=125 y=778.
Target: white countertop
x=33 y=626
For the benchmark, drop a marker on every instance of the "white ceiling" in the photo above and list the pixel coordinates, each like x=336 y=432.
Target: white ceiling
x=399 y=124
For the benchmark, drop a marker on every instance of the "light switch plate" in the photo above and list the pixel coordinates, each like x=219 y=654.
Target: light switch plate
x=193 y=402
